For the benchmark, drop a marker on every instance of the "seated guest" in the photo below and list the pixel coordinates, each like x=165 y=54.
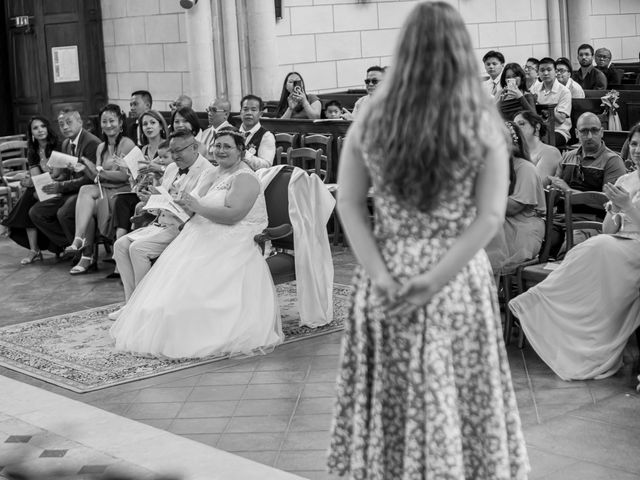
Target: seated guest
x=140 y=102
x=56 y=217
x=588 y=76
x=109 y=176
x=531 y=71
x=181 y=101
x=134 y=252
x=294 y=100
x=523 y=229
x=260 y=143
x=564 y=70
x=493 y=63
x=41 y=141
x=588 y=168
x=603 y=63
x=333 y=110
x=513 y=97
x=182 y=310
x=217 y=115
x=375 y=75
x=552 y=92
x=546 y=158
x=580 y=317
x=153 y=131
x=185 y=119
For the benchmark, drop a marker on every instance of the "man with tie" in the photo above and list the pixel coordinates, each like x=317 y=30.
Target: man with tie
x=56 y=217
x=217 y=114
x=260 y=143
x=134 y=251
x=493 y=64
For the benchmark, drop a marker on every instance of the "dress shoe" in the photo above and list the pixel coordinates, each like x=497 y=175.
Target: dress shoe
x=34 y=255
x=77 y=245
x=114 y=315
x=85 y=265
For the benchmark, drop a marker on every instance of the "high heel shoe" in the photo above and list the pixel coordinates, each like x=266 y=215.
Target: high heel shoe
x=76 y=245
x=34 y=255
x=85 y=265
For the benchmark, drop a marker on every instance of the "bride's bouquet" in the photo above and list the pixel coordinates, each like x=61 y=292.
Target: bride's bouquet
x=610 y=104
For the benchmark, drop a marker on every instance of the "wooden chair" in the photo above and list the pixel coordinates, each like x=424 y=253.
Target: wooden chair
x=285 y=141
x=13 y=168
x=308 y=159
x=279 y=230
x=528 y=275
x=324 y=143
x=506 y=281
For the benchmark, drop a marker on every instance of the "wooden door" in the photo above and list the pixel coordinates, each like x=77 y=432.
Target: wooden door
x=56 y=58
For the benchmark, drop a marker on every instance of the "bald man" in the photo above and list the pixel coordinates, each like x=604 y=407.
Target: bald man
x=587 y=168
x=603 y=63
x=218 y=115
x=181 y=101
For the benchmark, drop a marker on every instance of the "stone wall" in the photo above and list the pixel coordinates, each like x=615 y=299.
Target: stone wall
x=145 y=49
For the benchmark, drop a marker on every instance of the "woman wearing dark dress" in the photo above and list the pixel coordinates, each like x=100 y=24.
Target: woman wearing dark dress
x=41 y=141
x=295 y=102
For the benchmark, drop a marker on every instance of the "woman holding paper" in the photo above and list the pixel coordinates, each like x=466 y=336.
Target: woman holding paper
x=110 y=175
x=210 y=292
x=41 y=141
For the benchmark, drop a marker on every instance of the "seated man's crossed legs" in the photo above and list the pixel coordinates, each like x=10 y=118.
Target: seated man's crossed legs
x=56 y=218
x=135 y=251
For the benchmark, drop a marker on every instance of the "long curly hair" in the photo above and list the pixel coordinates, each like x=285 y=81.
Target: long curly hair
x=425 y=124
x=32 y=144
x=120 y=115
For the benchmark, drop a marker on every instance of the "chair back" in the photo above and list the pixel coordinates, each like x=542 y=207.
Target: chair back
x=276 y=197
x=285 y=141
x=550 y=198
x=322 y=142
x=13 y=149
x=308 y=159
x=590 y=199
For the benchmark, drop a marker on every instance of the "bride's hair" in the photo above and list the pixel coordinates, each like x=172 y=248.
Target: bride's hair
x=238 y=138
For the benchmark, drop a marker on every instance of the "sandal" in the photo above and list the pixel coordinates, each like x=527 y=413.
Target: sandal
x=33 y=256
x=85 y=265
x=78 y=244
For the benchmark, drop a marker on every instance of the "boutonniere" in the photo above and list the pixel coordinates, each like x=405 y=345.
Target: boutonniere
x=251 y=150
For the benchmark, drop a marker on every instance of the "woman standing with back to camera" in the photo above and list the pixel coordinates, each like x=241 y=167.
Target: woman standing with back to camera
x=425 y=389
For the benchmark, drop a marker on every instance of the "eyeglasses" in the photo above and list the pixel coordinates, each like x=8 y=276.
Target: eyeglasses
x=176 y=151
x=528 y=68
x=224 y=148
x=372 y=81
x=214 y=110
x=603 y=57
x=562 y=71
x=586 y=131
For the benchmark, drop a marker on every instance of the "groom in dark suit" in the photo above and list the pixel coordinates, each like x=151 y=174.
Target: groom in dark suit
x=56 y=217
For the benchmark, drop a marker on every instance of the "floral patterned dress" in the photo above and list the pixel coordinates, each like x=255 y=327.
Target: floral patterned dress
x=426 y=396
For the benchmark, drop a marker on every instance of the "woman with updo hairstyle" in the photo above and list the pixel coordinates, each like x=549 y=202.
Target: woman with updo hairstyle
x=545 y=157
x=184 y=118
x=522 y=232
x=110 y=176
x=41 y=141
x=210 y=292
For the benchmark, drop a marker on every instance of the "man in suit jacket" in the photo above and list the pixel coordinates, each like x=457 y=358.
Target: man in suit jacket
x=56 y=217
x=134 y=251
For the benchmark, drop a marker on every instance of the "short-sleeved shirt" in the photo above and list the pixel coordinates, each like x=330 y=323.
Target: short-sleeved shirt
x=299 y=112
x=594 y=79
x=590 y=172
x=560 y=95
x=575 y=89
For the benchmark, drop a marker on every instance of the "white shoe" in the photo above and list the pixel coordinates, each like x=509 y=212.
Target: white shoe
x=114 y=315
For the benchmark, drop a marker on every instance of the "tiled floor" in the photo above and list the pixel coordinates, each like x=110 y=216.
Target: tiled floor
x=276 y=409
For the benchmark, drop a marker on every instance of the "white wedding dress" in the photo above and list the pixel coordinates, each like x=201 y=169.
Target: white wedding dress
x=210 y=292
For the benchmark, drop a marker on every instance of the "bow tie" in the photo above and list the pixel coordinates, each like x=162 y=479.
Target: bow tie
x=183 y=171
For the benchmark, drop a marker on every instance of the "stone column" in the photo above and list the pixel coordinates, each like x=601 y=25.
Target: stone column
x=578 y=14
x=558 y=28
x=202 y=81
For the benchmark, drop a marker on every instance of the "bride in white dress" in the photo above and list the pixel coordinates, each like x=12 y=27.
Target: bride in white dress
x=210 y=292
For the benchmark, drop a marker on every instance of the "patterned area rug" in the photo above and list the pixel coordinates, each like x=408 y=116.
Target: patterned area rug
x=74 y=351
